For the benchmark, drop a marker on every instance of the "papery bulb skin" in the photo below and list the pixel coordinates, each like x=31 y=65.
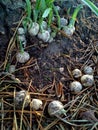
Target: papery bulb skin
x=44 y=35
x=75 y=86
x=88 y=70
x=76 y=73
x=22 y=57
x=36 y=104
x=34 y=29
x=69 y=30
x=20 y=98
x=87 y=80
x=55 y=106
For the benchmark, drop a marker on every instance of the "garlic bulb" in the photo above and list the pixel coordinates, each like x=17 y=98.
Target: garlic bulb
x=21 y=97
x=75 y=86
x=63 y=22
x=69 y=30
x=76 y=73
x=22 y=39
x=21 y=36
x=22 y=57
x=88 y=70
x=44 y=35
x=44 y=25
x=58 y=8
x=55 y=108
x=34 y=29
x=21 y=31
x=87 y=80
x=36 y=104
x=11 y=69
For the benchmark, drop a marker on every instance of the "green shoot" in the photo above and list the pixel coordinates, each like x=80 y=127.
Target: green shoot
x=27 y=19
x=69 y=30
x=58 y=17
x=7 y=67
x=21 y=47
x=39 y=9
x=28 y=8
x=74 y=16
x=91 y=6
x=45 y=9
x=46 y=12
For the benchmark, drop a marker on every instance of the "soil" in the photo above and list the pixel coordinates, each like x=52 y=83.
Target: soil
x=42 y=72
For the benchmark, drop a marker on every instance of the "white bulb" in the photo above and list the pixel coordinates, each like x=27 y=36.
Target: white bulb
x=55 y=108
x=11 y=69
x=58 y=8
x=63 y=22
x=21 y=36
x=75 y=86
x=21 y=97
x=69 y=30
x=76 y=73
x=22 y=57
x=44 y=24
x=88 y=70
x=21 y=31
x=22 y=39
x=87 y=80
x=36 y=104
x=44 y=35
x=34 y=29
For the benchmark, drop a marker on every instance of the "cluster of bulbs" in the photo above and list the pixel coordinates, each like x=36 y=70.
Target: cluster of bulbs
x=22 y=97
x=86 y=79
x=55 y=107
x=34 y=30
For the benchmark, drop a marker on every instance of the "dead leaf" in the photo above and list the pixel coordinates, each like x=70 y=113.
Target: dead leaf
x=59 y=89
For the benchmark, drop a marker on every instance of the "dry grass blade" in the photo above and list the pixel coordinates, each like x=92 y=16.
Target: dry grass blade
x=15 y=125
x=51 y=124
x=2 y=115
x=11 y=44
x=20 y=128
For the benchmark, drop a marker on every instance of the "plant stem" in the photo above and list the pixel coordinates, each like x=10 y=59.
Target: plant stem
x=75 y=13
x=58 y=17
x=21 y=47
x=28 y=8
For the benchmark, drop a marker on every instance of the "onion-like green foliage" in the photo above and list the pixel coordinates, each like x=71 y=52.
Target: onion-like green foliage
x=27 y=20
x=91 y=6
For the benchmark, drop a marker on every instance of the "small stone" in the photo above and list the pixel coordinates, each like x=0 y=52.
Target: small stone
x=61 y=69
